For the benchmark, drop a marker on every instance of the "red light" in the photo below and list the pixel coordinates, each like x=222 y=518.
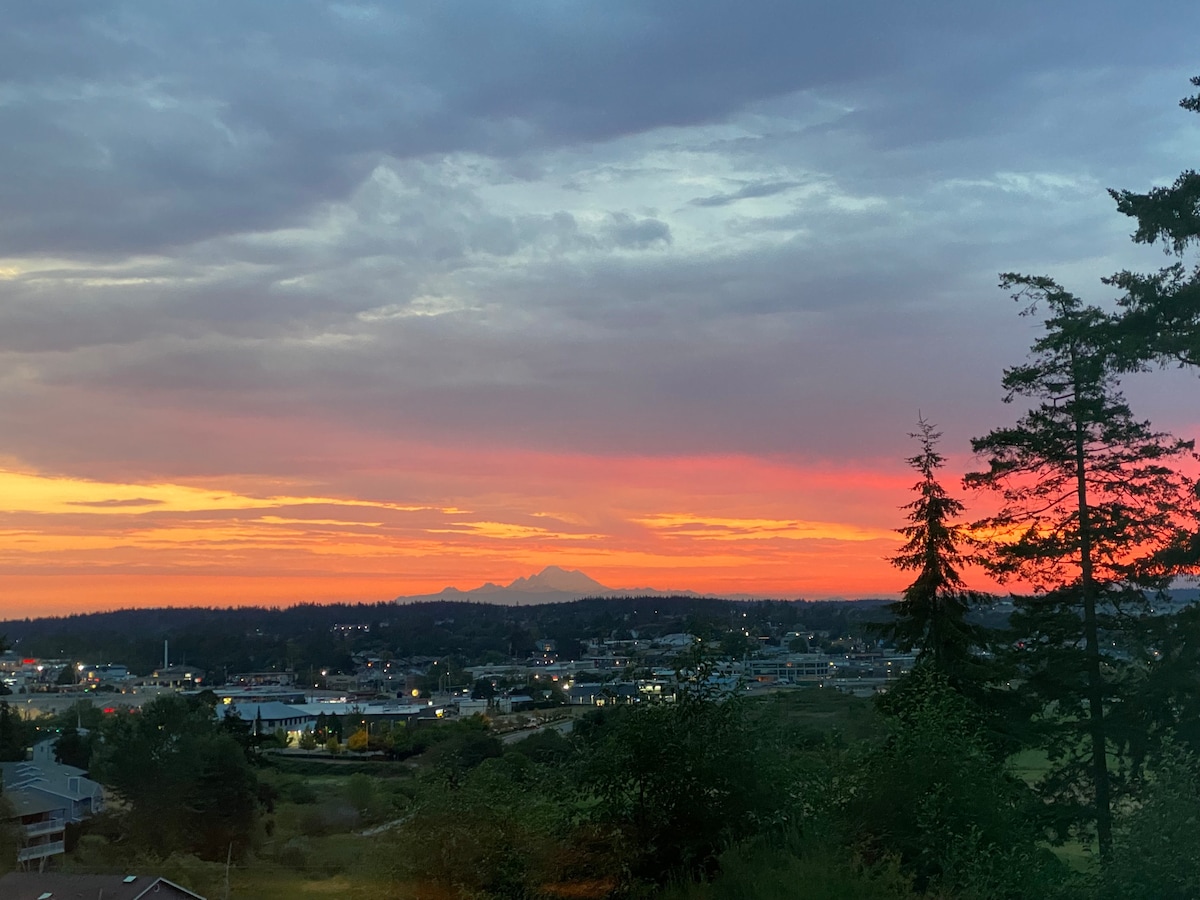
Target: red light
x=109 y=710
x=28 y=662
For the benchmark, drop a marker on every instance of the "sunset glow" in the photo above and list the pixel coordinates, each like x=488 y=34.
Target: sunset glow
x=143 y=544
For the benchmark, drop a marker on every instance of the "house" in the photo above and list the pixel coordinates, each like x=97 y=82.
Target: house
x=45 y=796
x=57 y=886
x=81 y=796
x=43 y=822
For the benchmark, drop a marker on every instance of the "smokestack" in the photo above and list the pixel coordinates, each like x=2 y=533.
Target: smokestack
x=166 y=659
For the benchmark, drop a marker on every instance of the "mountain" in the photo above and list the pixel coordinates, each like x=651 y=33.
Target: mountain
x=552 y=578
x=551 y=585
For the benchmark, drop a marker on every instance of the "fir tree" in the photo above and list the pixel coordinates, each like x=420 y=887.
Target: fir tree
x=1089 y=503
x=1162 y=310
x=932 y=616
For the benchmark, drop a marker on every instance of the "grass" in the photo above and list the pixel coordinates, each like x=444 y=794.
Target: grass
x=811 y=713
x=265 y=884
x=1029 y=765
x=315 y=768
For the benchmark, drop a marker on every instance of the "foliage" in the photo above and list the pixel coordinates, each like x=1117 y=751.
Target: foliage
x=1164 y=693
x=672 y=782
x=360 y=791
x=461 y=751
x=547 y=746
x=932 y=616
x=933 y=797
x=301 y=793
x=1157 y=842
x=771 y=870
x=74 y=749
x=10 y=836
x=80 y=714
x=504 y=833
x=15 y=734
x=1161 y=317
x=186 y=784
x=1090 y=507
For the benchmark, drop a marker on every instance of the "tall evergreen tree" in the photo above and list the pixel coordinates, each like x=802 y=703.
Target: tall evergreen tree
x=15 y=734
x=932 y=616
x=1089 y=502
x=1162 y=310
x=184 y=782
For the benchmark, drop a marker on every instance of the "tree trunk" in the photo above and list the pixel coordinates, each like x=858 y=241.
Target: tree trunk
x=1095 y=684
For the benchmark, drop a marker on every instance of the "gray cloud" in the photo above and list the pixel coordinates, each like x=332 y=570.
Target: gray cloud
x=746 y=192
x=525 y=224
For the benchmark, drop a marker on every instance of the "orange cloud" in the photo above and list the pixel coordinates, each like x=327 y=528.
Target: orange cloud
x=715 y=528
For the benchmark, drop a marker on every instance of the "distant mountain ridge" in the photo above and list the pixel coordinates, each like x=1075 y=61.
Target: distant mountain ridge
x=553 y=578
x=553 y=584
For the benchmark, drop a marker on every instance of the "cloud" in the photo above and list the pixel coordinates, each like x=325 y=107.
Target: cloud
x=746 y=192
x=117 y=504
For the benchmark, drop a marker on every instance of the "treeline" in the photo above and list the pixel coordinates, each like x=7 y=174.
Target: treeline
x=241 y=639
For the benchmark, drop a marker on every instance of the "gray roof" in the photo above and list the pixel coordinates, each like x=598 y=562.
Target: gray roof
x=30 y=801
x=49 y=776
x=271 y=711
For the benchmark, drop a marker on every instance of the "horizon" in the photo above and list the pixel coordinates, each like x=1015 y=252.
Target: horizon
x=508 y=596
x=373 y=301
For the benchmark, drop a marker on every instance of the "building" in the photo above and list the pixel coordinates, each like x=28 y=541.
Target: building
x=43 y=822
x=286 y=678
x=794 y=668
x=82 y=796
x=45 y=796
x=57 y=886
x=263 y=693
x=108 y=673
x=267 y=718
x=179 y=678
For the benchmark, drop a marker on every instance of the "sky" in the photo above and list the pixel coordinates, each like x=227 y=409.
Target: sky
x=344 y=301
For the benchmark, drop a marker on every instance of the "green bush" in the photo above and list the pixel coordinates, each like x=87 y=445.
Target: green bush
x=301 y=793
x=1157 y=842
x=764 y=870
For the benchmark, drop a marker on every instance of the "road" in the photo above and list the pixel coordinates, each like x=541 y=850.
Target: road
x=563 y=726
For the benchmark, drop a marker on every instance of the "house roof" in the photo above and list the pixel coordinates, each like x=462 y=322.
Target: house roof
x=57 y=886
x=30 y=801
x=366 y=710
x=271 y=711
x=16 y=772
x=66 y=781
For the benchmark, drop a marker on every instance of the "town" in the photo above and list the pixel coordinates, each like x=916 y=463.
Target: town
x=353 y=714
